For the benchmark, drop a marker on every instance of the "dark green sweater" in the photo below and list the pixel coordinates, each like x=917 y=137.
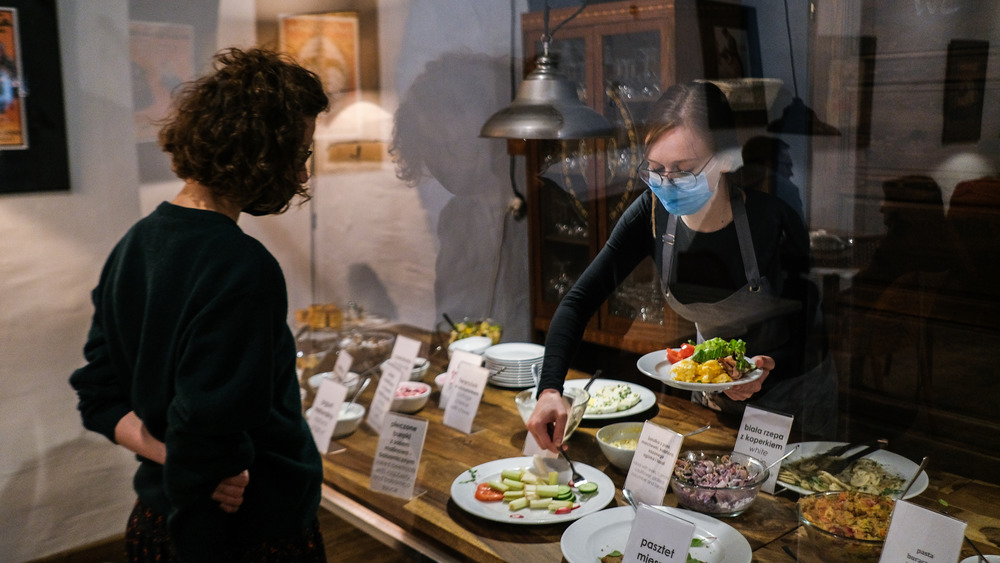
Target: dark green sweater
x=190 y=331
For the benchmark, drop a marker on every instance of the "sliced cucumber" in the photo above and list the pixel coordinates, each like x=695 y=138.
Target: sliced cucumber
x=518 y=504
x=547 y=491
x=498 y=486
x=512 y=484
x=587 y=488
x=512 y=474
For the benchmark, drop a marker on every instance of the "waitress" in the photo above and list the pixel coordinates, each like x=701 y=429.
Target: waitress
x=731 y=260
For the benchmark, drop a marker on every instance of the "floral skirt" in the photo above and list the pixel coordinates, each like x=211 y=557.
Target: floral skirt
x=147 y=540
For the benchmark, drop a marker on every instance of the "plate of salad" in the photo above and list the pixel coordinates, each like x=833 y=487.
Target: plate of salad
x=531 y=491
x=611 y=398
x=600 y=535
x=713 y=365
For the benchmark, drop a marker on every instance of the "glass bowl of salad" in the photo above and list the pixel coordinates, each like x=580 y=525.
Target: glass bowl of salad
x=720 y=483
x=846 y=525
x=576 y=399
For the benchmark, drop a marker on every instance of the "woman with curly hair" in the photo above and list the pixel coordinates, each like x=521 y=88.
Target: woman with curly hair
x=190 y=361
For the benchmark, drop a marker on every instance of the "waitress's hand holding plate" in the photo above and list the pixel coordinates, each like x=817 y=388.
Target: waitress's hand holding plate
x=744 y=392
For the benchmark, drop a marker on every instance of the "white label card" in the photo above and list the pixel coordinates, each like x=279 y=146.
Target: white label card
x=653 y=463
x=458 y=357
x=405 y=349
x=764 y=435
x=658 y=536
x=466 y=394
x=343 y=365
x=394 y=373
x=397 y=459
x=324 y=412
x=532 y=448
x=919 y=535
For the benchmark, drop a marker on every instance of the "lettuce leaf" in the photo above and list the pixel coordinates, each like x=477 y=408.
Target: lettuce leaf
x=718 y=348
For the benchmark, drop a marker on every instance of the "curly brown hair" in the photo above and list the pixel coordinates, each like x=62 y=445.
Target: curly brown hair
x=239 y=130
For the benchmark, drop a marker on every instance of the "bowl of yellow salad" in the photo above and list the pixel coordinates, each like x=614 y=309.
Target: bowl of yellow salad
x=618 y=442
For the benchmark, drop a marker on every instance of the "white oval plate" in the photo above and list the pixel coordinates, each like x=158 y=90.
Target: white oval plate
x=463 y=492
x=593 y=537
x=646 y=397
x=892 y=462
x=655 y=365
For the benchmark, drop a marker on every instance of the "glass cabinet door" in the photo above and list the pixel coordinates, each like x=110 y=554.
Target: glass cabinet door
x=580 y=189
x=566 y=191
x=632 y=79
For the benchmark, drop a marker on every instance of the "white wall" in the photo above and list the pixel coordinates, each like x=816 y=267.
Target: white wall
x=60 y=485
x=376 y=242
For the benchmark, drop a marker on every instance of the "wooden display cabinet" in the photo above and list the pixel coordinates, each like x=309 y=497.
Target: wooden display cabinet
x=621 y=56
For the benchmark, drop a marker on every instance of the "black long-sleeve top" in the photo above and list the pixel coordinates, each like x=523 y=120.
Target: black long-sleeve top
x=706 y=263
x=190 y=331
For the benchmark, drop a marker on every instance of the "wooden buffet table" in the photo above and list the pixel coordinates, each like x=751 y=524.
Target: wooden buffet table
x=432 y=524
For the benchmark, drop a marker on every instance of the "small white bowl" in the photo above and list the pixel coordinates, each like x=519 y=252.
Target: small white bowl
x=351 y=380
x=474 y=344
x=416 y=395
x=418 y=371
x=619 y=457
x=348 y=420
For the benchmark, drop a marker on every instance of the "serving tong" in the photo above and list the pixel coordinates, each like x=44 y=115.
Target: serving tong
x=841 y=463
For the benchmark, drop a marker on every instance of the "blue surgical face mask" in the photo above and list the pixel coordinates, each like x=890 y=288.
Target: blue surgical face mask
x=685 y=195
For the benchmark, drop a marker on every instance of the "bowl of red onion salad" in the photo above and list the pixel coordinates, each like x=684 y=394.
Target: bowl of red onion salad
x=410 y=397
x=720 y=483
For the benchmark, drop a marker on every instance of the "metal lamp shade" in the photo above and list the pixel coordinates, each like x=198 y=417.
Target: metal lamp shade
x=546 y=107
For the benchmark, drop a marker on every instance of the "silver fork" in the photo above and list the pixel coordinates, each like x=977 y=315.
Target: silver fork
x=577 y=478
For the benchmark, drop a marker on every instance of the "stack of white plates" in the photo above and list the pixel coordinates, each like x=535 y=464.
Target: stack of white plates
x=516 y=360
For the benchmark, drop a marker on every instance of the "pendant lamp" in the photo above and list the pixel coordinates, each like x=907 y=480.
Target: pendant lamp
x=798 y=118
x=547 y=105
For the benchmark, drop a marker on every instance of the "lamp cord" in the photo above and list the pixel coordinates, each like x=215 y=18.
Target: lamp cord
x=519 y=199
x=791 y=54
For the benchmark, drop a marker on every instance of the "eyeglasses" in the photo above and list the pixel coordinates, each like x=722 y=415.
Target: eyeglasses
x=677 y=178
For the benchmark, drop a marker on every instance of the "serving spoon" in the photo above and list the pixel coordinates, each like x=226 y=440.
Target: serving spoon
x=782 y=458
x=597 y=374
x=362 y=387
x=906 y=489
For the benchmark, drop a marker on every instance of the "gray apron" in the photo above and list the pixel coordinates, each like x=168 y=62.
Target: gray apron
x=753 y=305
x=752 y=314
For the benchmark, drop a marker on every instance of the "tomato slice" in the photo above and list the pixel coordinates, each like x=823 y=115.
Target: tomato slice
x=674 y=356
x=486 y=494
x=687 y=350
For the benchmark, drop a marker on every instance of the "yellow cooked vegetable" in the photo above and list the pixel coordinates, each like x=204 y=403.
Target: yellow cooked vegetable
x=690 y=371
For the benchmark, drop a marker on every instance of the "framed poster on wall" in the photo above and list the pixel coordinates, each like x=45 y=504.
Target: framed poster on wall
x=730 y=50
x=964 y=90
x=161 y=59
x=33 y=152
